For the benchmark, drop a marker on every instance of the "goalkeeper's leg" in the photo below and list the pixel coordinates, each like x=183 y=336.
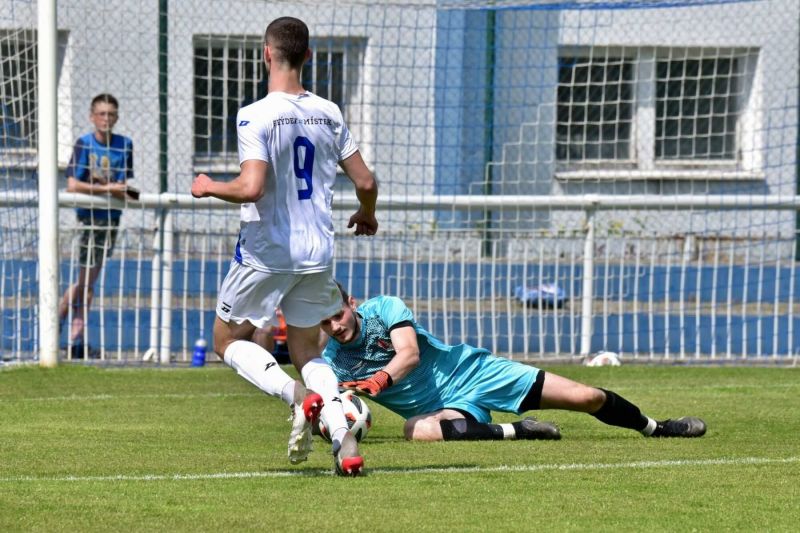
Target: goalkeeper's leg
x=455 y=424
x=610 y=408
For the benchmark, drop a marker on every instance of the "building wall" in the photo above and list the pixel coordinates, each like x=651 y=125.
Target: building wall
x=427 y=106
x=768 y=128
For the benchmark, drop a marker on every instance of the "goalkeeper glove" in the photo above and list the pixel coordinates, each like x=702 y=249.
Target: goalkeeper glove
x=374 y=385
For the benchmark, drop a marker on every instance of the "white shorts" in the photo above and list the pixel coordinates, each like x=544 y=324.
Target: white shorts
x=250 y=294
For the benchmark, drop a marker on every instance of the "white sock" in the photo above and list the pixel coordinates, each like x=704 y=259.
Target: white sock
x=257 y=366
x=509 y=433
x=287 y=394
x=318 y=376
x=650 y=427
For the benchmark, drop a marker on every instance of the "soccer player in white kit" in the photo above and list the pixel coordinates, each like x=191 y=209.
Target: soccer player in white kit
x=290 y=143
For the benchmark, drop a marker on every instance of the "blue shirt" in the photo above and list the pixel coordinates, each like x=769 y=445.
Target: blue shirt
x=95 y=162
x=440 y=379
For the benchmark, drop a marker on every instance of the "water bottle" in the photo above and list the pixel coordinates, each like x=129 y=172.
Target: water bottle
x=199 y=355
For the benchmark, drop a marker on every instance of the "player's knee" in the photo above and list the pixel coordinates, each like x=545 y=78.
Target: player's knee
x=78 y=290
x=575 y=397
x=220 y=347
x=408 y=430
x=422 y=430
x=221 y=343
x=592 y=399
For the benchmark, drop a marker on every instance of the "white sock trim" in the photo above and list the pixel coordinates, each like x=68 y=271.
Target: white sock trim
x=287 y=394
x=650 y=427
x=509 y=432
x=338 y=435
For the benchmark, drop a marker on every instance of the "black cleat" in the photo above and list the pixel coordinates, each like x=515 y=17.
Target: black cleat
x=687 y=427
x=531 y=429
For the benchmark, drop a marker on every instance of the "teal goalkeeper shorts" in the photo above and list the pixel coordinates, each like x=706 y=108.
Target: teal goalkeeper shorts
x=490 y=384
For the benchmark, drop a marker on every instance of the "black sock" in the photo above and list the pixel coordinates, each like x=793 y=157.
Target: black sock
x=617 y=411
x=463 y=429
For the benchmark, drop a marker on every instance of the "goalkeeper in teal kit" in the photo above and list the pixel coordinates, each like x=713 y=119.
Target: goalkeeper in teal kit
x=448 y=392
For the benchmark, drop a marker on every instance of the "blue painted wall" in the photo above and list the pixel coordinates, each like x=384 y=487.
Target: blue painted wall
x=658 y=333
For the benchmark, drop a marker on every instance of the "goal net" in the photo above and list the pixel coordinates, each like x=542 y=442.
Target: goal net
x=556 y=178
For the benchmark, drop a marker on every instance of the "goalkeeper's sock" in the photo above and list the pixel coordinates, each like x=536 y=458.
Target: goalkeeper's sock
x=257 y=366
x=617 y=411
x=318 y=376
x=528 y=429
x=463 y=429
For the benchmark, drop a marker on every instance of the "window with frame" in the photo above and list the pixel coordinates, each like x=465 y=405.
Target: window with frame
x=697 y=106
x=18 y=109
x=648 y=108
x=229 y=73
x=595 y=108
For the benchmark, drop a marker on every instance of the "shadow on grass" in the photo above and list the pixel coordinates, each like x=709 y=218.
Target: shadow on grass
x=318 y=472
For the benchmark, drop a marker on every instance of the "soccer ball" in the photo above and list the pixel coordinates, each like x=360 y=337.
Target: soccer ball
x=359 y=417
x=604 y=359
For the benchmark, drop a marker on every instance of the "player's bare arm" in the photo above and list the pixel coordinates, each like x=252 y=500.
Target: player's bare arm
x=366 y=191
x=247 y=187
x=406 y=359
x=115 y=189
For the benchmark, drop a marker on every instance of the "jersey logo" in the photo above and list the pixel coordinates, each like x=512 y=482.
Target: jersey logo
x=244 y=122
x=269 y=365
x=385 y=345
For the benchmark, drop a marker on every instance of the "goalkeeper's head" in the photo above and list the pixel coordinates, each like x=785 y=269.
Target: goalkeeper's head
x=345 y=325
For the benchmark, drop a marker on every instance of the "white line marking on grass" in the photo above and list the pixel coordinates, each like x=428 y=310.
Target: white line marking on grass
x=423 y=470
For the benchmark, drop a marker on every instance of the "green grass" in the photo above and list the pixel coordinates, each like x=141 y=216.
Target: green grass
x=94 y=449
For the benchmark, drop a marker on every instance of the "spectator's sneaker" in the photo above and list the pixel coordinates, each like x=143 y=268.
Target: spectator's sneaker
x=688 y=426
x=80 y=351
x=531 y=429
x=346 y=459
x=304 y=415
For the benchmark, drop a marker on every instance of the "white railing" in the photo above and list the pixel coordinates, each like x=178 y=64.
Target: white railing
x=161 y=297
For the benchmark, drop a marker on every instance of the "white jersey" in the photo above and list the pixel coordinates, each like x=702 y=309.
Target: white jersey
x=302 y=138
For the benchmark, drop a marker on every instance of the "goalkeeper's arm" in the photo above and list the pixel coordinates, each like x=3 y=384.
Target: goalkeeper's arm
x=406 y=359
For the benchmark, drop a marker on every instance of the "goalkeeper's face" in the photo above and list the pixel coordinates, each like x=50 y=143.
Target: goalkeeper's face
x=344 y=326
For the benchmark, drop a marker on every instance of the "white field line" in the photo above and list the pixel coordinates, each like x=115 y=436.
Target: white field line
x=735 y=461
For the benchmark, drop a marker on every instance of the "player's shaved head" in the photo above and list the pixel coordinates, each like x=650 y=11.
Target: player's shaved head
x=288 y=39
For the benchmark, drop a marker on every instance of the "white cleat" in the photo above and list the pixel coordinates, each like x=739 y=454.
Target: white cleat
x=300 y=439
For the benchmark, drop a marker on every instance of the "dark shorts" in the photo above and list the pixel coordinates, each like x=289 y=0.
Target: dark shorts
x=533 y=399
x=98 y=237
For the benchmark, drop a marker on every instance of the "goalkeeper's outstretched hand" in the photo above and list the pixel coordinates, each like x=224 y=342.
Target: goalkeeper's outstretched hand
x=374 y=385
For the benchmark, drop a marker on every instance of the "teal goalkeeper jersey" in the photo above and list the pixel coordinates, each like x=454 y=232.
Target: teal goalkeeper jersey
x=445 y=375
